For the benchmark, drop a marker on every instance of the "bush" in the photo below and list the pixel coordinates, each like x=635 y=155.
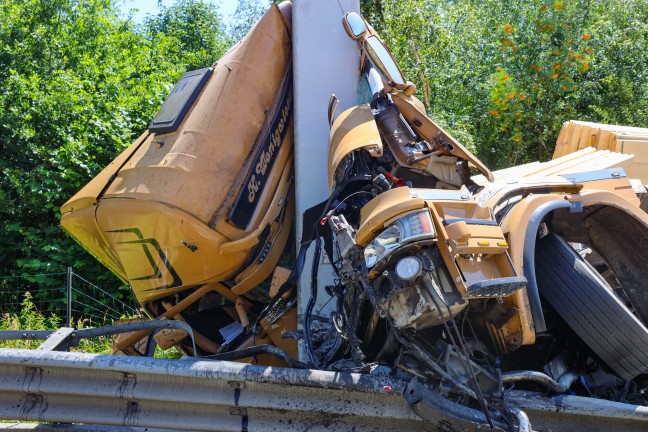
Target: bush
x=29 y=318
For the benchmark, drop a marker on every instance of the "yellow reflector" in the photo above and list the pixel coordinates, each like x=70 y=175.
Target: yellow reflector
x=502 y=243
x=483 y=243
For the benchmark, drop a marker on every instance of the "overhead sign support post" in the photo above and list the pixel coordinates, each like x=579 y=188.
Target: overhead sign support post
x=326 y=62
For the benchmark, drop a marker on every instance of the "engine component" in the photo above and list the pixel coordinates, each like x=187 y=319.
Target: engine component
x=344 y=234
x=427 y=403
x=380 y=181
x=421 y=296
x=599 y=383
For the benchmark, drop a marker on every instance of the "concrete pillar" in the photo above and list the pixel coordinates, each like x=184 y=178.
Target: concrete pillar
x=326 y=61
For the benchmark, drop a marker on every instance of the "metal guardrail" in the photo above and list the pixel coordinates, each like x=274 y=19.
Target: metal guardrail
x=194 y=395
x=129 y=393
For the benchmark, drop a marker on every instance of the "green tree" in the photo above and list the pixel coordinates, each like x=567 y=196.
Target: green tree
x=503 y=75
x=247 y=13
x=542 y=59
x=616 y=86
x=77 y=85
x=189 y=33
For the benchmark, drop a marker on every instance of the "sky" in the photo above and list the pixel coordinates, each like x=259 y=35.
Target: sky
x=149 y=7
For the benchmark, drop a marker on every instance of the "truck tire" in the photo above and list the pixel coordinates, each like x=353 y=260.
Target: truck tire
x=590 y=307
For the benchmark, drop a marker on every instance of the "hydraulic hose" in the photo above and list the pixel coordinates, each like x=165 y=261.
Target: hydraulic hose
x=537 y=377
x=257 y=350
x=523 y=420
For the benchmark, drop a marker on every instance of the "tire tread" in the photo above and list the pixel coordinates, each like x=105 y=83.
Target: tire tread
x=590 y=308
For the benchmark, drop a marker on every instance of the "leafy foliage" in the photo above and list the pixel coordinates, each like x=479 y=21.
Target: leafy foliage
x=247 y=13
x=191 y=33
x=77 y=85
x=28 y=318
x=541 y=61
x=503 y=75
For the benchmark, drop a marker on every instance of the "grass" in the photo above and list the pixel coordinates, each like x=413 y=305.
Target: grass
x=30 y=318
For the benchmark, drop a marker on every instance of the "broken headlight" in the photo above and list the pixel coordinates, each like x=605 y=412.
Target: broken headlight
x=409 y=228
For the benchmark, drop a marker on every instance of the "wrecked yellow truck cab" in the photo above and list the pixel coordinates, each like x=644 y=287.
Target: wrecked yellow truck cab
x=202 y=201
x=540 y=269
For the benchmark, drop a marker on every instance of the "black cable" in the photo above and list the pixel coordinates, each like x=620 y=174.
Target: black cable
x=482 y=401
x=291 y=283
x=463 y=354
x=350 y=195
x=311 y=303
x=315 y=267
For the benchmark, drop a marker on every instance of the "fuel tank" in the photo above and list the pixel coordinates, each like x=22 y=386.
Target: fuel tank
x=205 y=194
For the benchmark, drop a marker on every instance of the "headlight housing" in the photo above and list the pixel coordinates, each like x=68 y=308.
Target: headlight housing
x=409 y=228
x=408 y=268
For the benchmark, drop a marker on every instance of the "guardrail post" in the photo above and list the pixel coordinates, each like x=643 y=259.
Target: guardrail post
x=69 y=296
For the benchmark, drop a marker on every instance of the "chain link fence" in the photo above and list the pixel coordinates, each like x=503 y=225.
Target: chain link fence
x=66 y=295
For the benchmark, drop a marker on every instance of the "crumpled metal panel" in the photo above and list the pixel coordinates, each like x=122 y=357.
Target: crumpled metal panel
x=587 y=159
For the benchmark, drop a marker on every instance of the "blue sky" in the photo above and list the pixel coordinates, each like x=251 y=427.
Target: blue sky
x=149 y=7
